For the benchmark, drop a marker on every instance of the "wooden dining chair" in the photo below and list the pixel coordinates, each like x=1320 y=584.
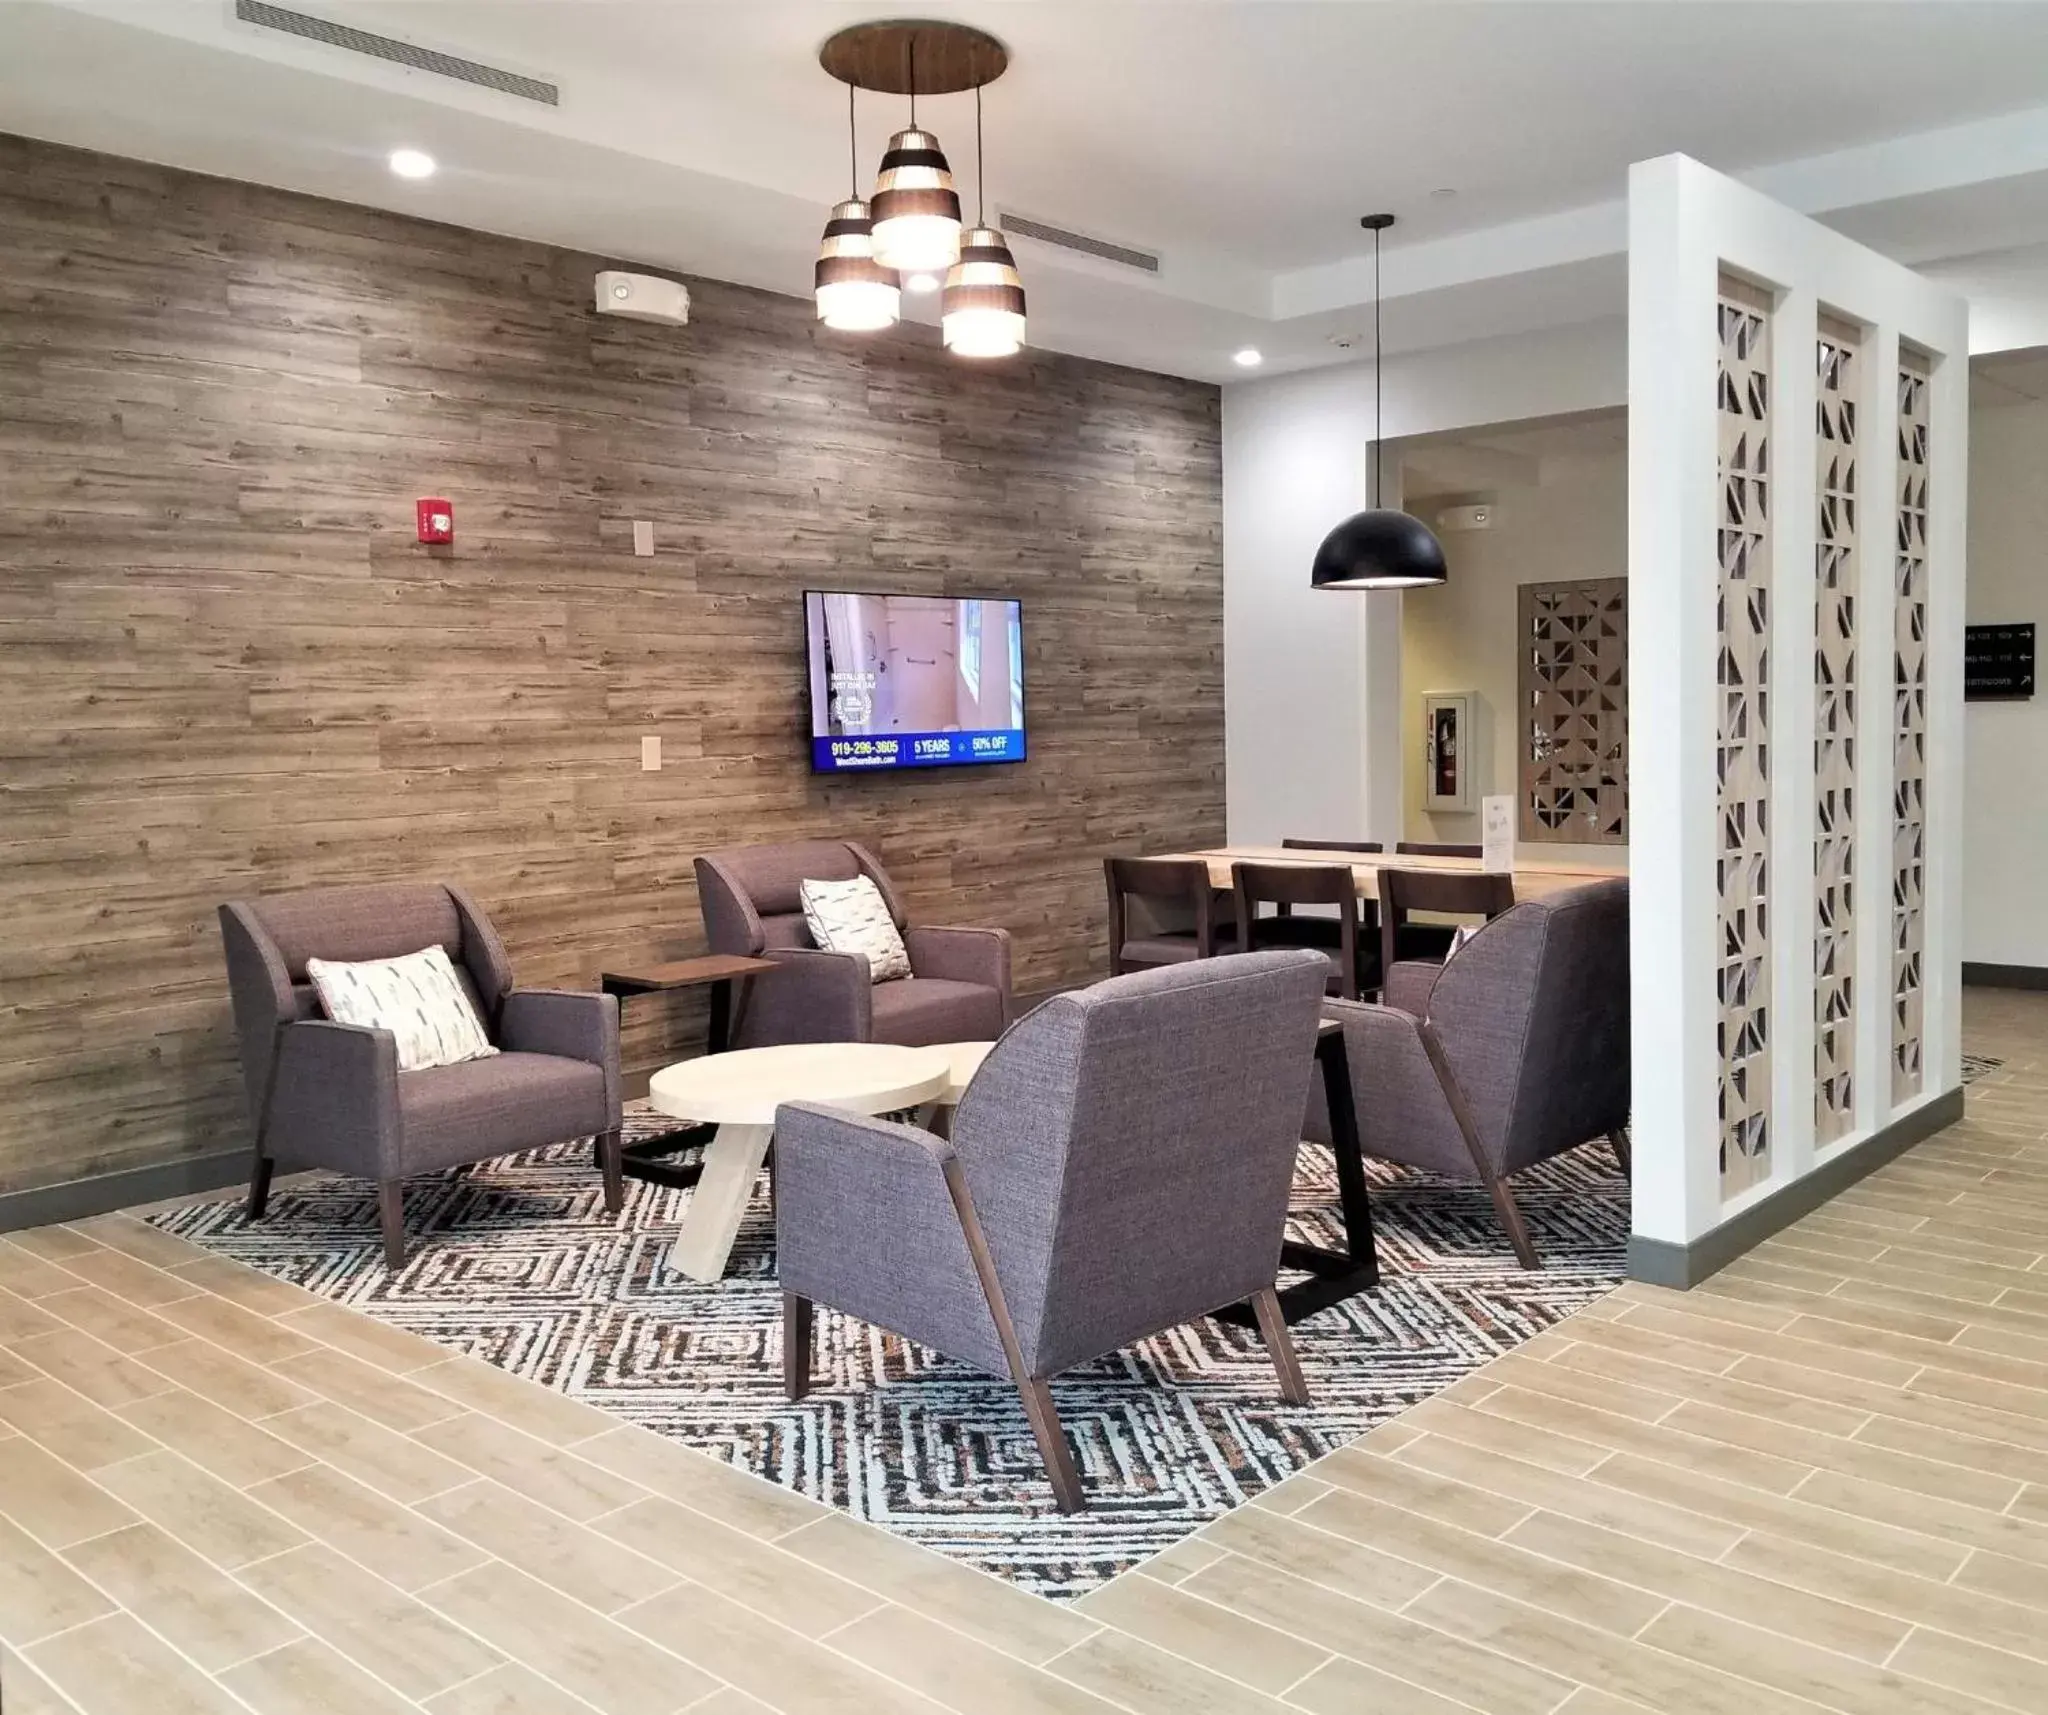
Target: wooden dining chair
x=1423 y=848
x=1291 y=884
x=1176 y=916
x=1411 y=954
x=1322 y=931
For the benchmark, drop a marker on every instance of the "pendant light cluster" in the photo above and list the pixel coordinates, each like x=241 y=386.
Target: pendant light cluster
x=913 y=223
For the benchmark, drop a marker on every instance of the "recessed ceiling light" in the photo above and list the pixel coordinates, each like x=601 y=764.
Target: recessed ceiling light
x=920 y=282
x=412 y=163
x=1249 y=358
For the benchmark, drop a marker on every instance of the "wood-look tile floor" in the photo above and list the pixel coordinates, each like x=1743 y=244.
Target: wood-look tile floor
x=1819 y=1482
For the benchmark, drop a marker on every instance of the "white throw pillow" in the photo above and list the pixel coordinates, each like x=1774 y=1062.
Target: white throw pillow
x=418 y=998
x=853 y=917
x=1459 y=936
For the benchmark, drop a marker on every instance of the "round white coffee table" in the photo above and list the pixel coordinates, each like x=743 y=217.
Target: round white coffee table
x=963 y=1061
x=739 y=1093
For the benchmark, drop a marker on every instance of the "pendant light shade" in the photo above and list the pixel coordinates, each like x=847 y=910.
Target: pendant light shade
x=916 y=210
x=982 y=312
x=1380 y=548
x=855 y=292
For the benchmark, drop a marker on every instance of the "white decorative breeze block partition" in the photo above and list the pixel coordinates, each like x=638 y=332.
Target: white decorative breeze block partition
x=1909 y=735
x=1837 y=587
x=1742 y=731
x=1798 y=415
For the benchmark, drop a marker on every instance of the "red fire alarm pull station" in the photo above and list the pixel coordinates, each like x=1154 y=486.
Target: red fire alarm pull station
x=437 y=521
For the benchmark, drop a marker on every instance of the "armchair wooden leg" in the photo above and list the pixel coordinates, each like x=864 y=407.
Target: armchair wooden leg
x=391 y=1217
x=1052 y=1444
x=1511 y=1218
x=611 y=1157
x=259 y=1187
x=1273 y=1330
x=1495 y=1182
x=796 y=1345
x=1618 y=1138
x=1037 y=1397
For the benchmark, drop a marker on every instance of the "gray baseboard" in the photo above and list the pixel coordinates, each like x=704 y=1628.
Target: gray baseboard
x=102 y=1193
x=2004 y=976
x=1661 y=1263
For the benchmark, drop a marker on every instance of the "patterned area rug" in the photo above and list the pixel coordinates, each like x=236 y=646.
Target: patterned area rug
x=516 y=1262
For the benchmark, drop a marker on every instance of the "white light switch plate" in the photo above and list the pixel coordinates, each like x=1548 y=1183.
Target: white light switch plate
x=643 y=537
x=650 y=754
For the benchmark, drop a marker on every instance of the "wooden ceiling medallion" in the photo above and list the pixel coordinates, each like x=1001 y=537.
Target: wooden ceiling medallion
x=914 y=56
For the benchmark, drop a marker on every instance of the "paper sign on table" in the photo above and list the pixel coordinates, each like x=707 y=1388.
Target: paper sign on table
x=1497 y=834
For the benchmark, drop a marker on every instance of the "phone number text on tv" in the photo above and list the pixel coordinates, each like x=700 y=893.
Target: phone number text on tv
x=916 y=750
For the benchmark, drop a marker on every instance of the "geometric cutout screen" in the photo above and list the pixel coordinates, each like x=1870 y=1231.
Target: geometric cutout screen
x=1909 y=734
x=1742 y=736
x=1573 y=702
x=1835 y=581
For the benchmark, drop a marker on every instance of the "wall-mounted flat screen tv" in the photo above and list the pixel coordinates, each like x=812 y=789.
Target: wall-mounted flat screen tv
x=913 y=681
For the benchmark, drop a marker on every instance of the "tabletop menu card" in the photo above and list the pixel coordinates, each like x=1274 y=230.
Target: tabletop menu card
x=1497 y=834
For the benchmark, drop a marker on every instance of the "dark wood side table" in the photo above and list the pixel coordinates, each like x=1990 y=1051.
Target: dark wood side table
x=1334 y=1275
x=647 y=1160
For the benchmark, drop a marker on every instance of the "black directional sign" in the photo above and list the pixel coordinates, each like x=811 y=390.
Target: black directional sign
x=1998 y=662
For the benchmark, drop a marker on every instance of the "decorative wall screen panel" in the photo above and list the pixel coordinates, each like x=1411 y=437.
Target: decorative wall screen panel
x=1836 y=580
x=1572 y=699
x=1742 y=735
x=1909 y=735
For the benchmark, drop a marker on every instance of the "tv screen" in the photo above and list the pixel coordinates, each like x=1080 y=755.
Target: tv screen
x=913 y=681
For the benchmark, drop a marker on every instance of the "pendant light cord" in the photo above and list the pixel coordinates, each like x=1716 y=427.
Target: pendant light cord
x=852 y=148
x=910 y=53
x=1379 y=438
x=980 y=192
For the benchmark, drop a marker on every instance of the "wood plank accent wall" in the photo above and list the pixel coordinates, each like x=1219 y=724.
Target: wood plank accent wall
x=226 y=667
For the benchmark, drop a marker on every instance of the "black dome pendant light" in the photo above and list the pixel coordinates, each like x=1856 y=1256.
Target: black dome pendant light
x=1380 y=548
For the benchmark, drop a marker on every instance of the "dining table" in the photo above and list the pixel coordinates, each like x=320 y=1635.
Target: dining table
x=1535 y=878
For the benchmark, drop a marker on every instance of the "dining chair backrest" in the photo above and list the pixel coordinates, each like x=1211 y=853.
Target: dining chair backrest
x=1283 y=909
x=1424 y=848
x=1449 y=893
x=1171 y=892
x=1291 y=884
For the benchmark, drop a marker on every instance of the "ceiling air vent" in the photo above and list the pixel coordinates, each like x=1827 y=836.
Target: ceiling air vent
x=398 y=53
x=1023 y=226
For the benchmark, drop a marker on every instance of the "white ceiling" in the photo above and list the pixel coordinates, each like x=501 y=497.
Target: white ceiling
x=1239 y=140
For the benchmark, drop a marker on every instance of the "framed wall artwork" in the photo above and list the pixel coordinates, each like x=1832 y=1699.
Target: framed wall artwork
x=1447 y=753
x=1571 y=716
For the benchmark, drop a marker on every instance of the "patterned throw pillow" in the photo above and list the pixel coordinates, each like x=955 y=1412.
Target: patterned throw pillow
x=418 y=998
x=853 y=917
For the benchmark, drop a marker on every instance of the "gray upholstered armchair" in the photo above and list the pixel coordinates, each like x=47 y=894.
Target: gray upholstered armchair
x=1119 y=1165
x=1514 y=1051
x=958 y=989
x=331 y=1095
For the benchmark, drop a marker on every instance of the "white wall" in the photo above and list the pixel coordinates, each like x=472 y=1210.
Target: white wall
x=1465 y=636
x=1312 y=678
x=2005 y=800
